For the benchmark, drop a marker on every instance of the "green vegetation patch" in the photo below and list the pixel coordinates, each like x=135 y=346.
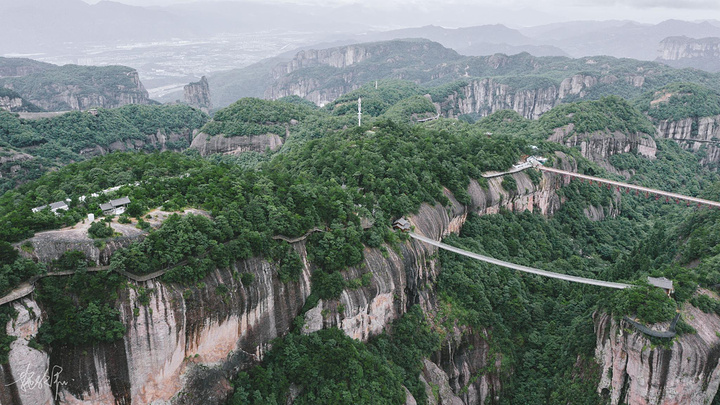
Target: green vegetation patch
x=80 y=308
x=254 y=116
x=328 y=367
x=678 y=101
x=607 y=114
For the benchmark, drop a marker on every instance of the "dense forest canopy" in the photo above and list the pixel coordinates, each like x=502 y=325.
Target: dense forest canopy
x=678 y=101
x=71 y=137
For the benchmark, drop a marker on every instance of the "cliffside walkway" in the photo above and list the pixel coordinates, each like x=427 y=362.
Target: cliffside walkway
x=638 y=189
x=661 y=334
x=515 y=169
x=519 y=267
x=299 y=238
x=27 y=288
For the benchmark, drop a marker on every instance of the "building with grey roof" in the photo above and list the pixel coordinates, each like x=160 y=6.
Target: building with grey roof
x=54 y=207
x=662 y=282
x=115 y=207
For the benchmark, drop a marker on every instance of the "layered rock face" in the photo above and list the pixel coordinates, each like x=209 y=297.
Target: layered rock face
x=11 y=104
x=208 y=144
x=309 y=89
x=637 y=372
x=159 y=141
x=599 y=146
x=701 y=53
x=322 y=76
x=695 y=134
x=197 y=94
x=83 y=96
x=486 y=96
x=335 y=57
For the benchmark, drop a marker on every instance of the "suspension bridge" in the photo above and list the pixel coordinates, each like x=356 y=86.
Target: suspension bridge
x=627 y=187
x=526 y=269
x=533 y=162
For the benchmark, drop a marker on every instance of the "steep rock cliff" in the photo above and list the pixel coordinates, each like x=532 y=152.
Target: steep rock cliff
x=486 y=96
x=11 y=104
x=197 y=94
x=310 y=89
x=160 y=141
x=324 y=75
x=695 y=134
x=208 y=144
x=599 y=146
x=637 y=372
x=700 y=53
x=107 y=87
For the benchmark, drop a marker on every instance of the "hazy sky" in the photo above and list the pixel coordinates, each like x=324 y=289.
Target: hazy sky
x=559 y=10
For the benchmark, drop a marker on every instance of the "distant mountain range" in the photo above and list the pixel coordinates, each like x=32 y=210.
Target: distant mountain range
x=173 y=45
x=321 y=76
x=32 y=26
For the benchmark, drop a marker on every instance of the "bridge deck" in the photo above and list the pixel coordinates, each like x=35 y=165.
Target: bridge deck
x=667 y=194
x=519 y=267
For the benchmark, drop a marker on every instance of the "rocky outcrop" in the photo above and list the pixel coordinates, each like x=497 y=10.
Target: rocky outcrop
x=11 y=104
x=681 y=51
x=576 y=85
x=197 y=94
x=322 y=76
x=50 y=245
x=695 y=134
x=97 y=89
x=599 y=146
x=635 y=371
x=309 y=89
x=339 y=57
x=486 y=96
x=208 y=144
x=159 y=141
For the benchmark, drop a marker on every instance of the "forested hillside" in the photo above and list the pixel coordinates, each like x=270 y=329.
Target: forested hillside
x=52 y=142
x=321 y=208
x=72 y=87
